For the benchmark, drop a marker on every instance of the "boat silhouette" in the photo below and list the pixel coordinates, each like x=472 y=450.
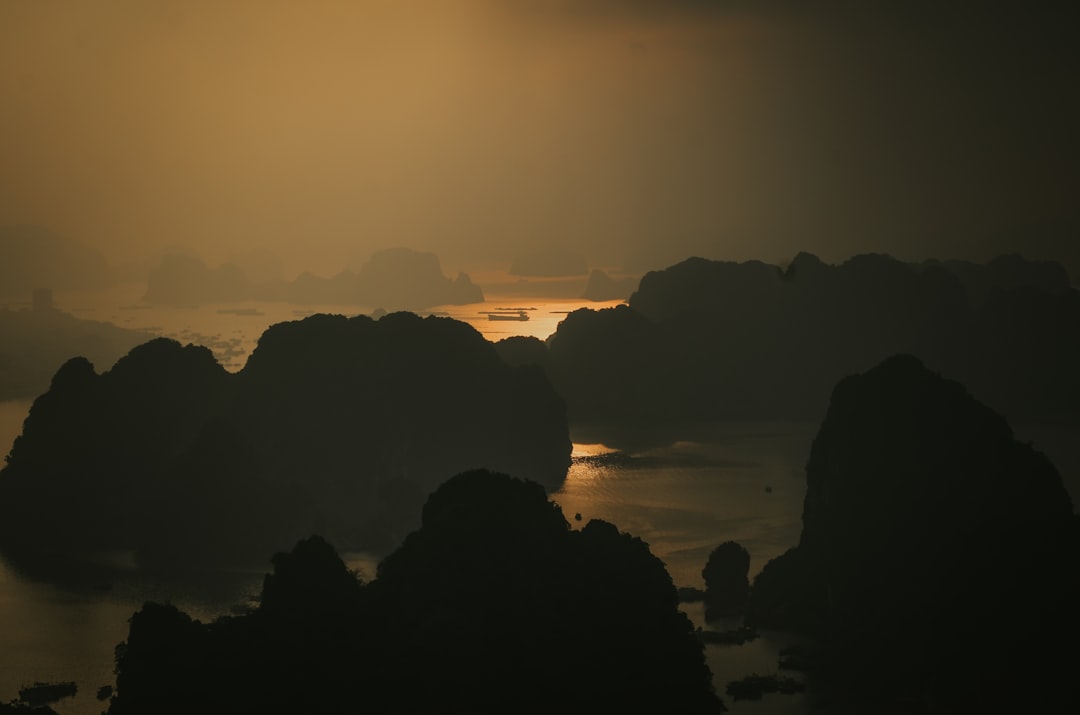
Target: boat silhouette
x=517 y=315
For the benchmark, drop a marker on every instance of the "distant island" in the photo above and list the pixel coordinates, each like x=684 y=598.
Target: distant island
x=601 y=286
x=34 y=343
x=335 y=425
x=33 y=257
x=394 y=279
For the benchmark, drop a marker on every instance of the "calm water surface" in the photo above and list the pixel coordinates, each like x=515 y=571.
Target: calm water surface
x=730 y=481
x=683 y=500
x=231 y=330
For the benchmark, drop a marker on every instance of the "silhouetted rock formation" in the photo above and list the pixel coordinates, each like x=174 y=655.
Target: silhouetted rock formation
x=1008 y=272
x=259 y=265
x=384 y=408
x=550 y=263
x=401 y=279
x=709 y=339
x=494 y=605
x=93 y=447
x=522 y=350
x=925 y=522
x=186 y=280
x=35 y=343
x=336 y=425
x=601 y=286
x=34 y=257
x=726 y=584
x=397 y=278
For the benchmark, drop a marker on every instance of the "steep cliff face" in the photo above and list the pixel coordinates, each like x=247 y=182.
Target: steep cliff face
x=924 y=523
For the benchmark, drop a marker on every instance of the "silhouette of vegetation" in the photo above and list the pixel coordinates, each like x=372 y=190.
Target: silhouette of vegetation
x=726 y=584
x=336 y=425
x=493 y=605
x=924 y=521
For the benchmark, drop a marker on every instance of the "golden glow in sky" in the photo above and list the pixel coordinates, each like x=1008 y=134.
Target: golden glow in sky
x=326 y=130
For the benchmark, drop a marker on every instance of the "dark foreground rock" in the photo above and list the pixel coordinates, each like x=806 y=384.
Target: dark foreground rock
x=494 y=605
x=925 y=523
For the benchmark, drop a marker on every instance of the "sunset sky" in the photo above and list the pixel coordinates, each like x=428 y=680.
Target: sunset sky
x=635 y=131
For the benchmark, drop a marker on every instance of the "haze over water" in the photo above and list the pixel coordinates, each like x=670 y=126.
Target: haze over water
x=301 y=139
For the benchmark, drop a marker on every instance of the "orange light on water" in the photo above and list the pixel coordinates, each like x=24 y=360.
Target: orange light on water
x=590 y=450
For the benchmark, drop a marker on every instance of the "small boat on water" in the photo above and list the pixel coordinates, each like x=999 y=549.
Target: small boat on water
x=508 y=315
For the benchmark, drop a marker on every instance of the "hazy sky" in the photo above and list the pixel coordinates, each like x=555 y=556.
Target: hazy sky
x=324 y=130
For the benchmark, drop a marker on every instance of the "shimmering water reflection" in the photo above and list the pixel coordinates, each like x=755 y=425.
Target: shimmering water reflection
x=739 y=481
x=735 y=481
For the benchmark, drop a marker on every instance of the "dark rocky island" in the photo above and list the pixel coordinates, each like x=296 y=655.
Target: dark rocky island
x=726 y=584
x=939 y=562
x=706 y=340
x=493 y=605
x=33 y=257
x=335 y=425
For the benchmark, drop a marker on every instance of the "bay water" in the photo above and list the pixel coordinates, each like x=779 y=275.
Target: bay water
x=729 y=481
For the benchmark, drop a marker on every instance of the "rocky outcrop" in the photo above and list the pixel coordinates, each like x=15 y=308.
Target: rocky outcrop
x=337 y=425
x=719 y=340
x=726 y=584
x=924 y=522
x=493 y=605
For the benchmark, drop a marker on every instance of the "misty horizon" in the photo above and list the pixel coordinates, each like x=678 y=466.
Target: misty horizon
x=583 y=354
x=623 y=131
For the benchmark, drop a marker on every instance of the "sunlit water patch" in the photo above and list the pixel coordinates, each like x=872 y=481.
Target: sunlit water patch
x=232 y=330
x=745 y=483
